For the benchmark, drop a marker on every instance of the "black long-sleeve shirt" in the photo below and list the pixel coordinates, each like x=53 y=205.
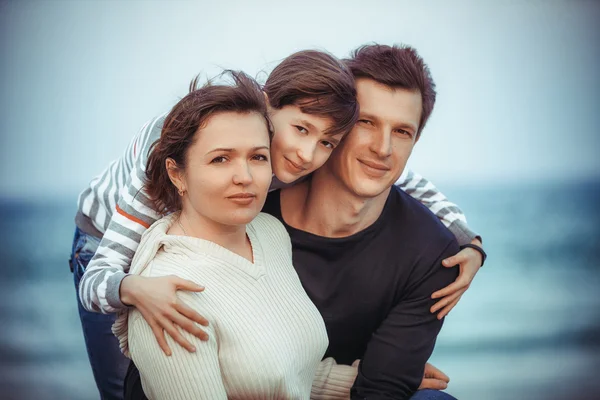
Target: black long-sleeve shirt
x=374 y=289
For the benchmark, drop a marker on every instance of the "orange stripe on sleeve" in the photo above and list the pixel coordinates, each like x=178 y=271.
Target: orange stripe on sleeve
x=132 y=218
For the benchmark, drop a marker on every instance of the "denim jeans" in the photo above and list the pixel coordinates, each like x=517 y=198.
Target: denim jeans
x=430 y=394
x=108 y=364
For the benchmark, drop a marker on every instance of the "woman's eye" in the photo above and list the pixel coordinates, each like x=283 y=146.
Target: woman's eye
x=260 y=157
x=301 y=129
x=365 y=121
x=218 y=160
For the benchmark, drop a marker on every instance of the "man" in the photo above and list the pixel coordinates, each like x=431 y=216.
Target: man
x=368 y=255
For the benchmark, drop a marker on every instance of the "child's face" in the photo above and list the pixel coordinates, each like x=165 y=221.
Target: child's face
x=299 y=145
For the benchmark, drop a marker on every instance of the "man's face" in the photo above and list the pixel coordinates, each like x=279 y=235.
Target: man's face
x=373 y=155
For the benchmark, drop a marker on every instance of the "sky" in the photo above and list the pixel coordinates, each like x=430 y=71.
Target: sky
x=518 y=82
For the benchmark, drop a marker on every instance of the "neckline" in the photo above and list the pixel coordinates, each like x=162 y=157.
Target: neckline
x=255 y=269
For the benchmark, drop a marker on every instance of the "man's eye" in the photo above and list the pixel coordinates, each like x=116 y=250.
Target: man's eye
x=404 y=133
x=218 y=160
x=260 y=157
x=301 y=129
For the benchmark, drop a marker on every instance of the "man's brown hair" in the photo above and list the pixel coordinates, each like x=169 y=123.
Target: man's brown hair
x=396 y=67
x=191 y=113
x=319 y=84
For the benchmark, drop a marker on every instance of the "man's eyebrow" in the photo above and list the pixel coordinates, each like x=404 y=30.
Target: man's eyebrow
x=368 y=116
x=401 y=125
x=406 y=126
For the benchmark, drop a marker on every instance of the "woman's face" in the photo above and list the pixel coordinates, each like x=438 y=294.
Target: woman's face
x=299 y=145
x=228 y=169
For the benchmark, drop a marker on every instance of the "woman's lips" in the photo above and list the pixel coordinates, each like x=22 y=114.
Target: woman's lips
x=243 y=199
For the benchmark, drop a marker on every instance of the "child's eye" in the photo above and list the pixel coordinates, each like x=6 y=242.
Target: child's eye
x=301 y=129
x=327 y=144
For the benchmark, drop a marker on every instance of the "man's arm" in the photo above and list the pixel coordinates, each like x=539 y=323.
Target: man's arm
x=449 y=213
x=99 y=286
x=393 y=364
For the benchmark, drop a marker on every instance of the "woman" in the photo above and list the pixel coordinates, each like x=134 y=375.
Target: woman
x=211 y=170
x=311 y=105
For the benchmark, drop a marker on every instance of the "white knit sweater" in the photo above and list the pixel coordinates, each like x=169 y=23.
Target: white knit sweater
x=266 y=338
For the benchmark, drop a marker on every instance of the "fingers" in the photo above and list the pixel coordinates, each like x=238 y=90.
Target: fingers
x=191 y=314
x=159 y=334
x=449 y=307
x=460 y=283
x=433 y=372
x=184 y=284
x=455 y=259
x=189 y=326
x=446 y=300
x=172 y=330
x=430 y=383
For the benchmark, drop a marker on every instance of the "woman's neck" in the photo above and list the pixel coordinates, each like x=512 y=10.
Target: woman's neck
x=231 y=237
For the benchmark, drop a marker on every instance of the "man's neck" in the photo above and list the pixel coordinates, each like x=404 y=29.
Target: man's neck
x=324 y=207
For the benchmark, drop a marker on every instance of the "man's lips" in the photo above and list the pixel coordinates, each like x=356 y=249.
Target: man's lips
x=295 y=165
x=375 y=165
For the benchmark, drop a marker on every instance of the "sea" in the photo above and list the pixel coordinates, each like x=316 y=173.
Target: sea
x=528 y=328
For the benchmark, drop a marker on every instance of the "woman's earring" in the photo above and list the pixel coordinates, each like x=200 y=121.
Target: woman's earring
x=181 y=192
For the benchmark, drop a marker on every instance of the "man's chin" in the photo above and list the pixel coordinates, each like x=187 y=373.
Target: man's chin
x=369 y=191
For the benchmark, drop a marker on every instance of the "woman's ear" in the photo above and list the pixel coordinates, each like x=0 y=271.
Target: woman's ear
x=175 y=174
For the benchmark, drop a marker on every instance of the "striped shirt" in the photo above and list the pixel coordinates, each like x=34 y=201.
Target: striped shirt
x=116 y=206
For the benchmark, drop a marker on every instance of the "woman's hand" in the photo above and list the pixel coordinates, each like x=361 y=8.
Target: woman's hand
x=156 y=299
x=433 y=378
x=469 y=262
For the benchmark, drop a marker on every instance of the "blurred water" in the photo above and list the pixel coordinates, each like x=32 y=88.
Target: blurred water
x=528 y=328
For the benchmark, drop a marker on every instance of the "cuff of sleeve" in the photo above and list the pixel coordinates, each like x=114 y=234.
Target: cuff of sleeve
x=113 y=286
x=333 y=381
x=461 y=231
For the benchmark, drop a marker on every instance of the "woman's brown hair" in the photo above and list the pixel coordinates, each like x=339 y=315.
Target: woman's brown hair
x=191 y=113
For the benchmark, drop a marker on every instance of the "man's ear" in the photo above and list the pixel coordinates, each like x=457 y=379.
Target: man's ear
x=175 y=174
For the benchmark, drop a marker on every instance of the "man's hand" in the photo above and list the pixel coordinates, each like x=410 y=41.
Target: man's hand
x=156 y=299
x=469 y=262
x=433 y=378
